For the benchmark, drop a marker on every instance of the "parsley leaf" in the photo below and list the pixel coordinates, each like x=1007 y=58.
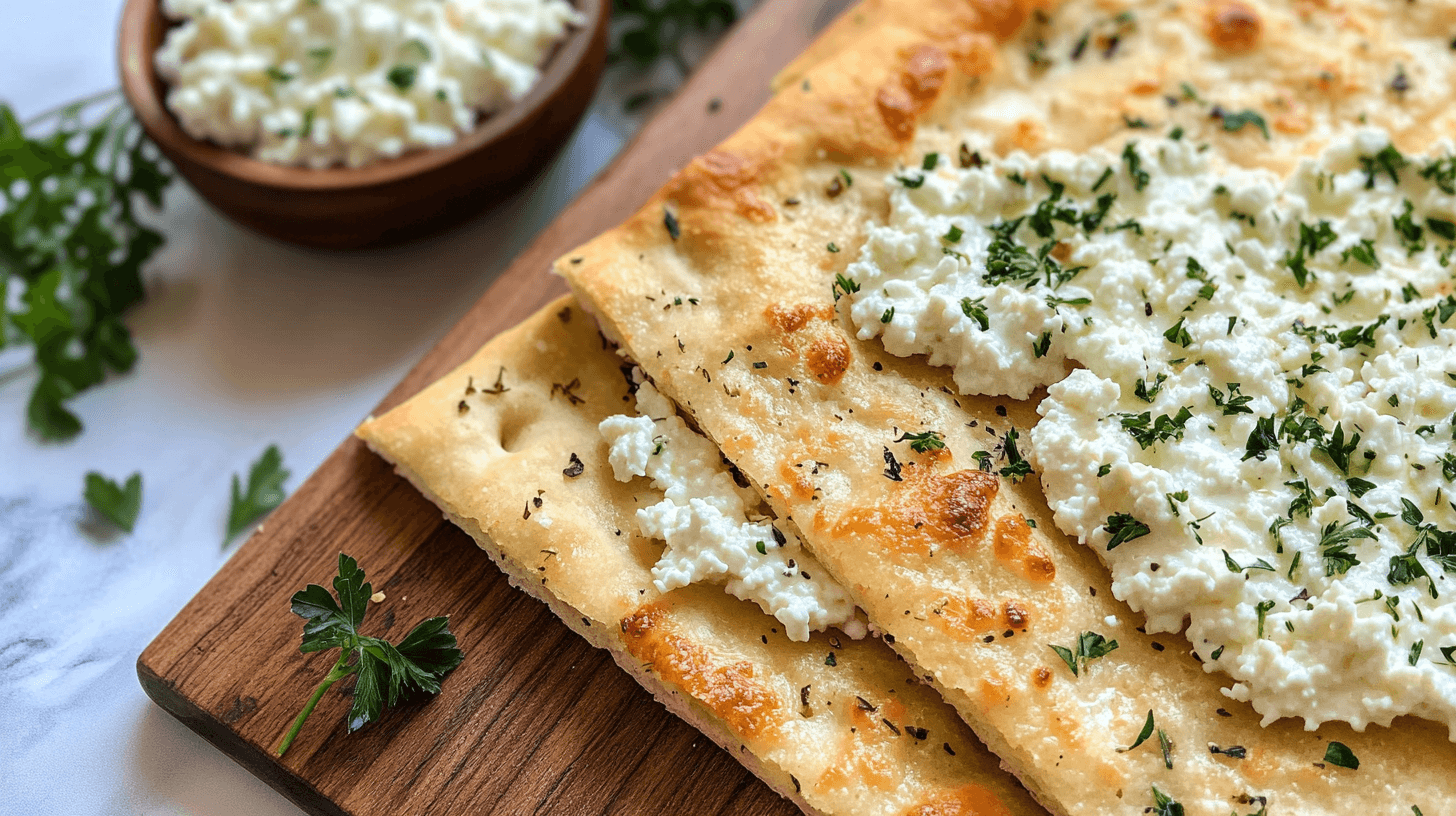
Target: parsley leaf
x=1388 y=161
x=1234 y=122
x=1236 y=403
x=402 y=77
x=118 y=504
x=72 y=249
x=1140 y=177
x=1163 y=805
x=1147 y=431
x=976 y=310
x=1261 y=440
x=1339 y=754
x=1123 y=527
x=924 y=442
x=1017 y=468
x=386 y=672
x=1178 y=334
x=265 y=492
x=1142 y=735
x=1090 y=646
x=1335 y=542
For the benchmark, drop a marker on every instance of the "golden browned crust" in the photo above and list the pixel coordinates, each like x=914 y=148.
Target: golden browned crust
x=507 y=445
x=910 y=76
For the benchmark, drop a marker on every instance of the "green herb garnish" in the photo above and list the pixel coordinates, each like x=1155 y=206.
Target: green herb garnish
x=265 y=492
x=386 y=672
x=1123 y=527
x=925 y=441
x=73 y=249
x=1339 y=754
x=1142 y=735
x=1165 y=806
x=1090 y=646
x=1234 y=122
x=402 y=77
x=118 y=504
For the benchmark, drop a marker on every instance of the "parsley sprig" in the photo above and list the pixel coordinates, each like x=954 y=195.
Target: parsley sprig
x=71 y=248
x=387 y=672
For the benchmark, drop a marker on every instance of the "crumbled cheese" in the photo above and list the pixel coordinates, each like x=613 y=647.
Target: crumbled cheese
x=324 y=82
x=704 y=518
x=1287 y=316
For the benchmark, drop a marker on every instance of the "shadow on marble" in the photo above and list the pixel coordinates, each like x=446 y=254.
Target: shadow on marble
x=173 y=770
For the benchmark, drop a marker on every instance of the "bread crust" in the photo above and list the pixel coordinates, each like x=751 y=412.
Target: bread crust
x=768 y=218
x=509 y=440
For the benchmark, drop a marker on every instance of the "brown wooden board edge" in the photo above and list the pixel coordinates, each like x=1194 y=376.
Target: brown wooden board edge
x=720 y=96
x=261 y=764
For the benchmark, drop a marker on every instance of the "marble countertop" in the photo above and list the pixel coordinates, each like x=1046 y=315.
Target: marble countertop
x=244 y=342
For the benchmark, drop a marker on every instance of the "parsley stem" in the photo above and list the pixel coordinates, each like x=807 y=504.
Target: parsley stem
x=337 y=673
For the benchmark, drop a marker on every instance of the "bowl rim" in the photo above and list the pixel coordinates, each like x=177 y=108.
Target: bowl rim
x=140 y=83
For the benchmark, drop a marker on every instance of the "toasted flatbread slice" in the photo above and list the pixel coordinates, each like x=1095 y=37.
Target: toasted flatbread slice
x=965 y=571
x=507 y=446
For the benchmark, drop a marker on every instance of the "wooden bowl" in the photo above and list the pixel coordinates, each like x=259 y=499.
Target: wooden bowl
x=393 y=200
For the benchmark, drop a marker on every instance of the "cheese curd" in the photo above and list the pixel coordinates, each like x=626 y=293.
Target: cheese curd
x=704 y=519
x=1252 y=386
x=326 y=82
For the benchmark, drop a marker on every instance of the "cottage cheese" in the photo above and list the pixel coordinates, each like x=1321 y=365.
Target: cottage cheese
x=704 y=518
x=1252 y=385
x=325 y=82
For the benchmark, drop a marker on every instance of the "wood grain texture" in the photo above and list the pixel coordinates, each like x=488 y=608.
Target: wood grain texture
x=535 y=720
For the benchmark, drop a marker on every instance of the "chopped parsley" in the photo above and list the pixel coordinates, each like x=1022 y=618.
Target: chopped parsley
x=1089 y=646
x=1122 y=528
x=924 y=441
x=1232 y=405
x=1016 y=467
x=1147 y=431
x=1135 y=171
x=1340 y=755
x=1142 y=735
x=1147 y=393
x=1262 y=610
x=1178 y=335
x=976 y=310
x=402 y=77
x=1261 y=440
x=1235 y=122
x=1163 y=805
x=1335 y=541
x=1388 y=161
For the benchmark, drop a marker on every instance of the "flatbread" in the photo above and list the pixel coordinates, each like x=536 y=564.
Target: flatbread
x=965 y=572
x=507 y=446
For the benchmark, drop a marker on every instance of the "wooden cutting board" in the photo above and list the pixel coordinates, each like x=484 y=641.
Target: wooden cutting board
x=535 y=720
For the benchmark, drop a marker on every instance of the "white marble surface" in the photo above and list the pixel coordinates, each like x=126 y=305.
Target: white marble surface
x=244 y=343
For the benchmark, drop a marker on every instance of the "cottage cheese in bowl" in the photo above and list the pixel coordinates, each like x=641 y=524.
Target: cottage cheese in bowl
x=328 y=82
